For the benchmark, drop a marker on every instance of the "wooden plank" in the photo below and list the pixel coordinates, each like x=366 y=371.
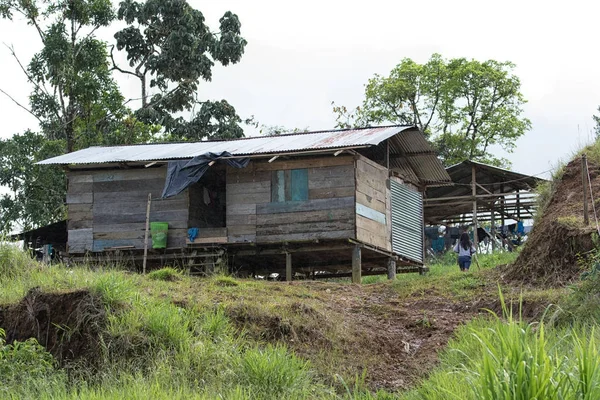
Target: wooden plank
x=305 y=216
x=367 y=190
x=80 y=240
x=309 y=205
x=249 y=187
x=78 y=188
x=241 y=238
x=307 y=227
x=135 y=207
x=80 y=198
x=371 y=202
x=245 y=175
x=328 y=193
x=137 y=234
x=84 y=207
x=234 y=230
x=305 y=236
x=370 y=213
x=332 y=182
x=136 y=195
x=372 y=232
x=337 y=171
x=304 y=162
x=166 y=216
x=212 y=232
x=252 y=198
x=130 y=174
x=135 y=226
x=80 y=224
x=241 y=209
x=208 y=240
x=249 y=219
x=130 y=185
x=79 y=177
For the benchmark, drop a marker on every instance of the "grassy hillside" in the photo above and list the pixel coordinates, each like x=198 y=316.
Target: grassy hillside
x=113 y=334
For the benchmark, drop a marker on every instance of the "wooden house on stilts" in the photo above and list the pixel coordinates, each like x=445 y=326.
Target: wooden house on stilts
x=329 y=203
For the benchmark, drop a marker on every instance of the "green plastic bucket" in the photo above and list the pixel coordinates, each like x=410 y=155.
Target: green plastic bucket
x=159 y=231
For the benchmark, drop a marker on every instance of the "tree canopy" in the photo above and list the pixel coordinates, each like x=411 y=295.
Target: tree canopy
x=78 y=103
x=464 y=107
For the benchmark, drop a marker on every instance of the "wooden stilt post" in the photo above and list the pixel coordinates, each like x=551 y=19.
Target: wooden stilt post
x=493 y=228
x=584 y=181
x=356 y=264
x=474 y=190
x=288 y=267
x=391 y=269
x=146 y=233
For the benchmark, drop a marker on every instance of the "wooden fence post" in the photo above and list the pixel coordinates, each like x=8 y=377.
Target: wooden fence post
x=584 y=181
x=146 y=233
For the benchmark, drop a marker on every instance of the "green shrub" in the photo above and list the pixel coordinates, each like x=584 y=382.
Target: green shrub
x=25 y=368
x=165 y=274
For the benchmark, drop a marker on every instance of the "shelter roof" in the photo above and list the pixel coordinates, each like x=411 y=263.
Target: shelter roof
x=450 y=201
x=406 y=142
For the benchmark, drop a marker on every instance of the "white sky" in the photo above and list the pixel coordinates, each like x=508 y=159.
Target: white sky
x=302 y=56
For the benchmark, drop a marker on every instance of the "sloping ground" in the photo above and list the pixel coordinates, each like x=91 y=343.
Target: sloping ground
x=361 y=328
x=559 y=237
x=391 y=330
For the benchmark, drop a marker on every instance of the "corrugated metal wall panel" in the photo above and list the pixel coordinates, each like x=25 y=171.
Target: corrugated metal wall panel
x=407 y=221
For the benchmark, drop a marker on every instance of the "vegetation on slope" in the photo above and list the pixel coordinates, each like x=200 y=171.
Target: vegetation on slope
x=173 y=336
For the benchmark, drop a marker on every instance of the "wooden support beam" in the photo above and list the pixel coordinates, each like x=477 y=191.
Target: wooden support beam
x=288 y=267
x=391 y=269
x=356 y=264
x=478 y=196
x=584 y=181
x=146 y=233
x=474 y=189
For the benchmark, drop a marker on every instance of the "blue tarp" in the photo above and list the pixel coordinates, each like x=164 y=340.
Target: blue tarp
x=181 y=174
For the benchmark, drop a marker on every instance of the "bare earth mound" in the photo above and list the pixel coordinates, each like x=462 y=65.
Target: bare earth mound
x=559 y=237
x=66 y=324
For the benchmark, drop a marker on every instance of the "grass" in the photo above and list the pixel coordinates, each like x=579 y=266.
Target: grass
x=510 y=359
x=171 y=336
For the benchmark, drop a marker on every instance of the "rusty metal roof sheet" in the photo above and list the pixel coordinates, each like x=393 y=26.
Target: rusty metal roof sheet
x=290 y=143
x=409 y=147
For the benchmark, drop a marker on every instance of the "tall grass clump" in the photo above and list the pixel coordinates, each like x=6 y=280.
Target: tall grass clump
x=272 y=373
x=165 y=274
x=510 y=359
x=13 y=260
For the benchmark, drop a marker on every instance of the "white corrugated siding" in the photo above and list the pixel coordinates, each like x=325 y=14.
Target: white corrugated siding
x=407 y=221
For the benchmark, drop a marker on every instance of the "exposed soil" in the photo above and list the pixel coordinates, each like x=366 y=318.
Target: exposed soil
x=66 y=324
x=396 y=341
x=559 y=238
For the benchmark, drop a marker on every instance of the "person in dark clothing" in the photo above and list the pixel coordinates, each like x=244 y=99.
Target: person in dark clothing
x=465 y=249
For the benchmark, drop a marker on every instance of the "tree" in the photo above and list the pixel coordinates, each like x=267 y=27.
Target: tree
x=74 y=98
x=37 y=192
x=170 y=50
x=463 y=107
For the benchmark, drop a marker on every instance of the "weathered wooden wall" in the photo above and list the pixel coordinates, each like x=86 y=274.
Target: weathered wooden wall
x=372 y=204
x=327 y=214
x=107 y=208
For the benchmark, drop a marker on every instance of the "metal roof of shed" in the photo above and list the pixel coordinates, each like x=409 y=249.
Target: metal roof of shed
x=298 y=142
x=405 y=141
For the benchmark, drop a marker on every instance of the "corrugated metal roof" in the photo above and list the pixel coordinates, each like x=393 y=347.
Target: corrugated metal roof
x=311 y=141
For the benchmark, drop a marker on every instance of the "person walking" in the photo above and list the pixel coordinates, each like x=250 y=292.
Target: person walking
x=465 y=250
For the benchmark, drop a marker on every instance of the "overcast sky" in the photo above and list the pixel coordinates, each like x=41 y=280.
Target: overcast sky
x=301 y=56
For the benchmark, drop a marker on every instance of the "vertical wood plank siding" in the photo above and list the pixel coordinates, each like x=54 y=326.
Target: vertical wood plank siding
x=372 y=204
x=327 y=214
